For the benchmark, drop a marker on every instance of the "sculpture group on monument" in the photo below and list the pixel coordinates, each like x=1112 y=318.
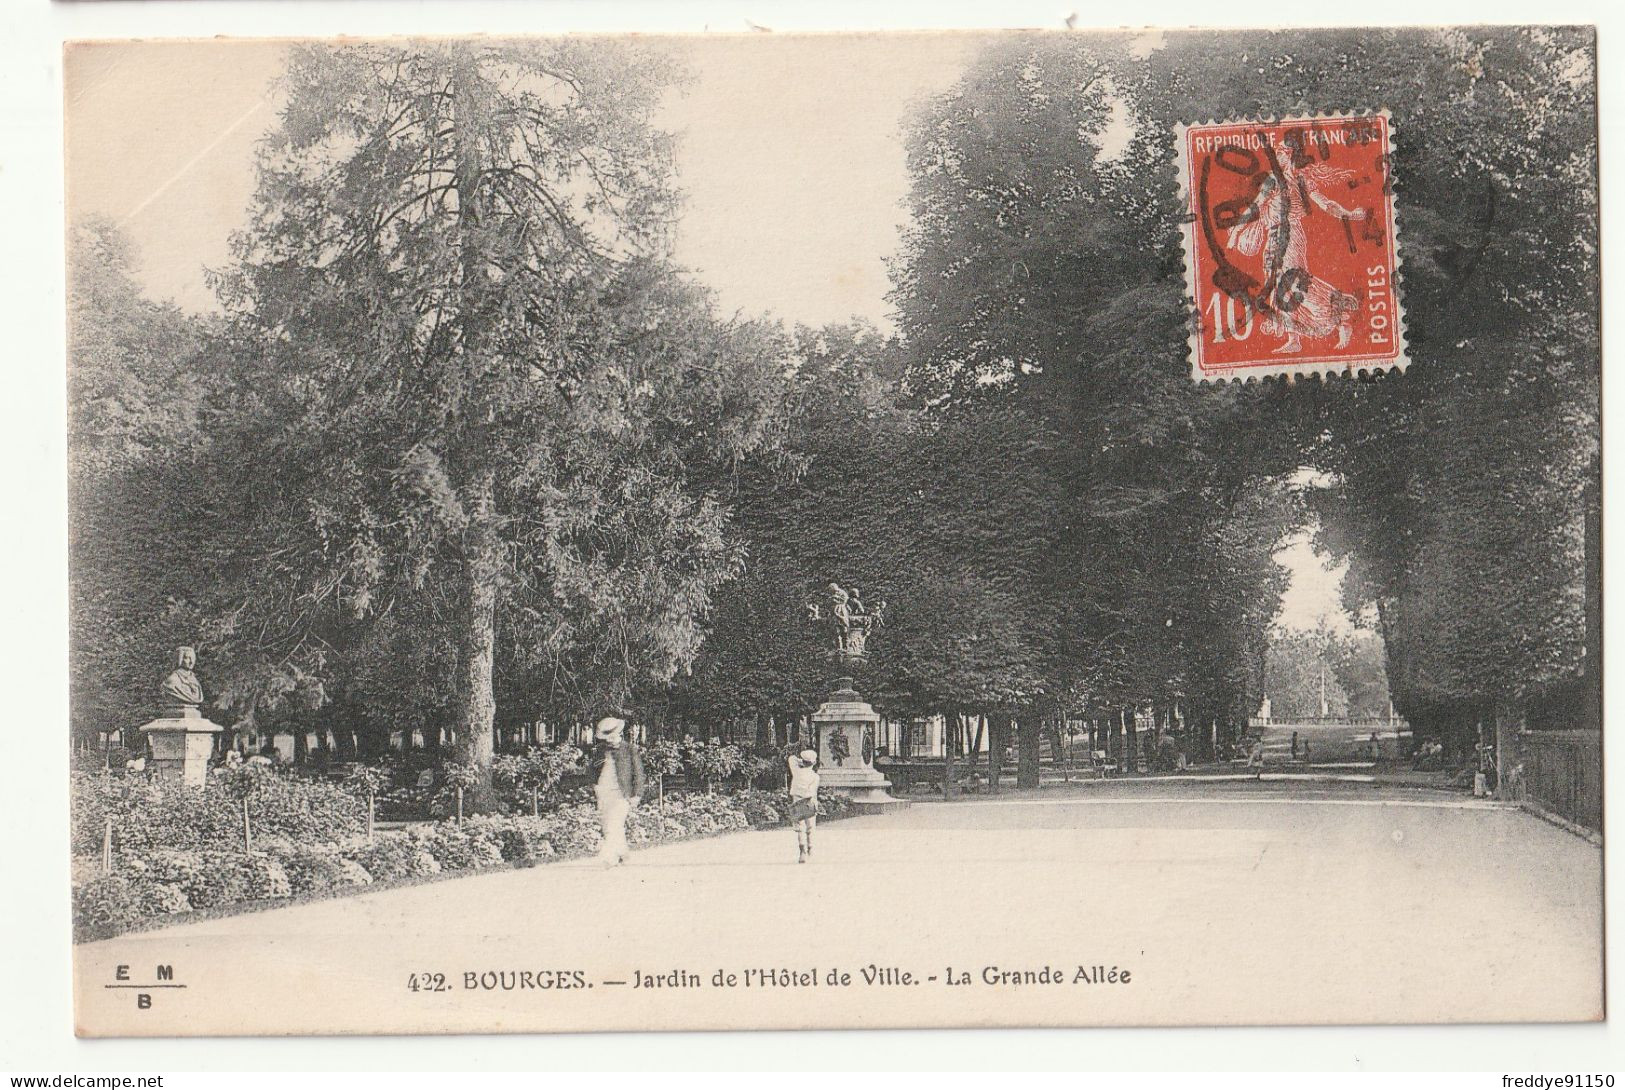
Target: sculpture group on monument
x=844 y=725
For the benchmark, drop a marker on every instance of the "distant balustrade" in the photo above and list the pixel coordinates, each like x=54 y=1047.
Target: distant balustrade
x=1379 y=722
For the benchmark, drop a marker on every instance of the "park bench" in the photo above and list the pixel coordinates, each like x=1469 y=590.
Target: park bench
x=906 y=775
x=1102 y=763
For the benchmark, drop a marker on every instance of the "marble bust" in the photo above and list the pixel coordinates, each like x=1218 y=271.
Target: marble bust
x=181 y=686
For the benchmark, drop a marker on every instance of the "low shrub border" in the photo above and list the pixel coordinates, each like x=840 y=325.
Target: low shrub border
x=160 y=887
x=147 y=813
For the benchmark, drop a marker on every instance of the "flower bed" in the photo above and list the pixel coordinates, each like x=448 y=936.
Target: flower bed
x=393 y=858
x=210 y=879
x=113 y=902
x=316 y=870
x=149 y=814
x=157 y=882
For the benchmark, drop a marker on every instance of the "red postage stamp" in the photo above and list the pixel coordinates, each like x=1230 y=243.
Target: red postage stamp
x=1291 y=247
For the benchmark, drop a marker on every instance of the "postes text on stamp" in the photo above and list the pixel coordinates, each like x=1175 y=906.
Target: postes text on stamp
x=1290 y=247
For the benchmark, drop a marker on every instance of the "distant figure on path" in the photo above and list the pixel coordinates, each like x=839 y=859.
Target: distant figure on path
x=804 y=800
x=618 y=783
x=1255 y=756
x=1294 y=745
x=1430 y=758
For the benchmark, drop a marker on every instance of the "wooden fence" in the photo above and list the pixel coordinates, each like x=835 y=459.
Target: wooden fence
x=1562 y=773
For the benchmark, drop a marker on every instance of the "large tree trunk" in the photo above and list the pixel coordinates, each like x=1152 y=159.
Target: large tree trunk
x=476 y=712
x=1028 y=729
x=1131 y=741
x=995 y=752
x=950 y=736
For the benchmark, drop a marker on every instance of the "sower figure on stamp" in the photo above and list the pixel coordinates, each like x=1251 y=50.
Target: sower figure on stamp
x=618 y=782
x=804 y=799
x=1303 y=305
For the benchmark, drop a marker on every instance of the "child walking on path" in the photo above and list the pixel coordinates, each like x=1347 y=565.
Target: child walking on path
x=804 y=799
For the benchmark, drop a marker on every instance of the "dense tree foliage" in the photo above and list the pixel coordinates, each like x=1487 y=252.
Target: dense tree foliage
x=1043 y=270
x=468 y=452
x=138 y=398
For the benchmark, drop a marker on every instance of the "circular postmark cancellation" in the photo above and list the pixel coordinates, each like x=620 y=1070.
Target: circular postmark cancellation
x=1290 y=247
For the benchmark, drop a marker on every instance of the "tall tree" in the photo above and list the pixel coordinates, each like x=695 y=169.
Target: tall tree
x=1043 y=265
x=477 y=385
x=1028 y=279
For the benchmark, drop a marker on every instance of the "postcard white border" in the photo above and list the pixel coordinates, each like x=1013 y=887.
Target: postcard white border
x=35 y=1012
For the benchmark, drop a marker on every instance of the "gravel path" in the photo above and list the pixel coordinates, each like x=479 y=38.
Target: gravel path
x=1225 y=905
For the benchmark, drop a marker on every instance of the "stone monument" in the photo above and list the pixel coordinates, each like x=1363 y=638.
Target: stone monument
x=181 y=740
x=844 y=726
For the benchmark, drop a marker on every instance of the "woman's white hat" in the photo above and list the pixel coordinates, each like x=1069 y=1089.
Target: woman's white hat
x=809 y=756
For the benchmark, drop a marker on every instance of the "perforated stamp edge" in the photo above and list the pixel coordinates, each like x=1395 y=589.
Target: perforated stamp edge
x=1285 y=369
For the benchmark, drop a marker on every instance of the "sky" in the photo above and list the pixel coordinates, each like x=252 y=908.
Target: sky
x=1314 y=593
x=790 y=153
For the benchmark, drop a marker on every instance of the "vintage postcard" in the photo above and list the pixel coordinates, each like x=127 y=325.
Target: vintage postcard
x=810 y=531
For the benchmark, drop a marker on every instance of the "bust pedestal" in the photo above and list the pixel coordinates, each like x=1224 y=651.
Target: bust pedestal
x=182 y=741
x=845 y=727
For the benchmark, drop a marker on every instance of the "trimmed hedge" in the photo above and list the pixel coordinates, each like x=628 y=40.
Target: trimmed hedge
x=521 y=841
x=156 y=881
x=314 y=870
x=116 y=902
x=456 y=848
